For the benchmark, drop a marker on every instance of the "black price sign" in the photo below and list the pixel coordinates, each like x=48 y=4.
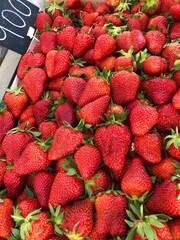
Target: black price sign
x=17 y=18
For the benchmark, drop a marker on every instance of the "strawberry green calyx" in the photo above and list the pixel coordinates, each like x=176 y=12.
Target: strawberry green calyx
x=149 y=5
x=143 y=224
x=32 y=131
x=45 y=144
x=3 y=193
x=174 y=138
x=15 y=234
x=74 y=235
x=123 y=5
x=90 y=183
x=24 y=224
x=57 y=218
x=17 y=90
x=3 y=107
x=176 y=65
x=106 y=75
x=140 y=57
x=54 y=6
x=114 y=30
x=77 y=61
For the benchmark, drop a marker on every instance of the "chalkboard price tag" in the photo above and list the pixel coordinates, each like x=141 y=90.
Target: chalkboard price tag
x=17 y=18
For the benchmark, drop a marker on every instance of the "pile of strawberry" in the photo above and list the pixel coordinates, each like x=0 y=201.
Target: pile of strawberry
x=89 y=139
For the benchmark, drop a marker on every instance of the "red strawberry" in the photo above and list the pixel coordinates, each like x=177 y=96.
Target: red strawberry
x=61 y=22
x=34 y=83
x=135 y=23
x=169 y=117
x=115 y=20
x=43 y=20
x=142 y=119
x=42 y=186
x=104 y=46
x=27 y=113
x=165 y=199
x=136 y=180
x=113 y=141
x=48 y=41
x=101 y=181
x=102 y=8
x=175 y=11
x=176 y=100
x=29 y=123
x=93 y=111
x=174 y=32
x=106 y=63
x=88 y=57
x=57 y=63
x=55 y=84
x=47 y=129
x=124 y=85
x=88 y=160
x=67 y=37
x=33 y=158
x=165 y=168
x=155 y=40
x=95 y=87
x=88 y=7
x=28 y=205
x=160 y=90
x=166 y=5
x=80 y=211
x=97 y=31
x=71 y=189
x=124 y=62
x=170 y=52
x=173 y=146
x=134 y=39
x=149 y=147
x=73 y=88
x=89 y=19
x=150 y=7
x=2 y=171
x=86 y=72
x=6 y=120
x=155 y=65
x=82 y=43
x=160 y=23
x=174 y=226
x=6 y=221
x=73 y=4
x=53 y=9
x=110 y=214
x=65 y=142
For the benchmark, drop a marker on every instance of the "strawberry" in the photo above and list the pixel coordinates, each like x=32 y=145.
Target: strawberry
x=176 y=100
x=135 y=23
x=112 y=3
x=158 y=23
x=48 y=41
x=150 y=7
x=102 y=8
x=16 y=100
x=81 y=212
x=174 y=32
x=6 y=222
x=88 y=7
x=61 y=22
x=173 y=146
x=165 y=199
x=113 y=141
x=176 y=77
x=111 y=213
x=93 y=111
x=34 y=83
x=2 y=171
x=13 y=182
x=124 y=86
x=170 y=52
x=28 y=205
x=155 y=40
x=86 y=72
x=56 y=83
x=64 y=114
x=115 y=20
x=97 y=31
x=175 y=11
x=53 y=9
x=14 y=143
x=106 y=63
x=42 y=186
x=142 y=119
x=29 y=123
x=43 y=20
x=7 y=120
x=136 y=180
x=104 y=46
x=165 y=168
x=155 y=65
x=88 y=160
x=73 y=88
x=71 y=189
x=33 y=158
x=65 y=142
x=134 y=39
x=88 y=57
x=149 y=147
x=169 y=117
x=57 y=63
x=82 y=43
x=66 y=38
x=174 y=226
x=73 y=4
x=89 y=19
x=101 y=181
x=95 y=88
x=166 y=5
x=160 y=90
x=27 y=113
x=47 y=129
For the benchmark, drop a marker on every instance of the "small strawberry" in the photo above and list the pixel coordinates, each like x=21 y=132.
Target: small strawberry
x=174 y=226
x=104 y=46
x=124 y=63
x=150 y=7
x=124 y=86
x=166 y=5
x=173 y=145
x=65 y=142
x=176 y=100
x=89 y=19
x=102 y=8
x=47 y=129
x=28 y=205
x=67 y=37
x=160 y=90
x=43 y=20
x=42 y=186
x=149 y=147
x=87 y=72
x=57 y=63
x=48 y=41
x=88 y=7
x=27 y=113
x=174 y=32
x=71 y=189
x=106 y=63
x=61 y=22
x=88 y=57
x=136 y=180
x=142 y=119
x=73 y=4
x=155 y=66
x=56 y=83
x=175 y=11
x=34 y=83
x=88 y=160
x=155 y=40
x=135 y=23
x=97 y=31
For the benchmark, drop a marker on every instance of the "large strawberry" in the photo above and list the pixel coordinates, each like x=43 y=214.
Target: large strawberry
x=48 y=41
x=124 y=86
x=155 y=66
x=175 y=11
x=155 y=41
x=43 y=20
x=113 y=142
x=47 y=129
x=28 y=205
x=66 y=38
x=65 y=142
x=136 y=180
